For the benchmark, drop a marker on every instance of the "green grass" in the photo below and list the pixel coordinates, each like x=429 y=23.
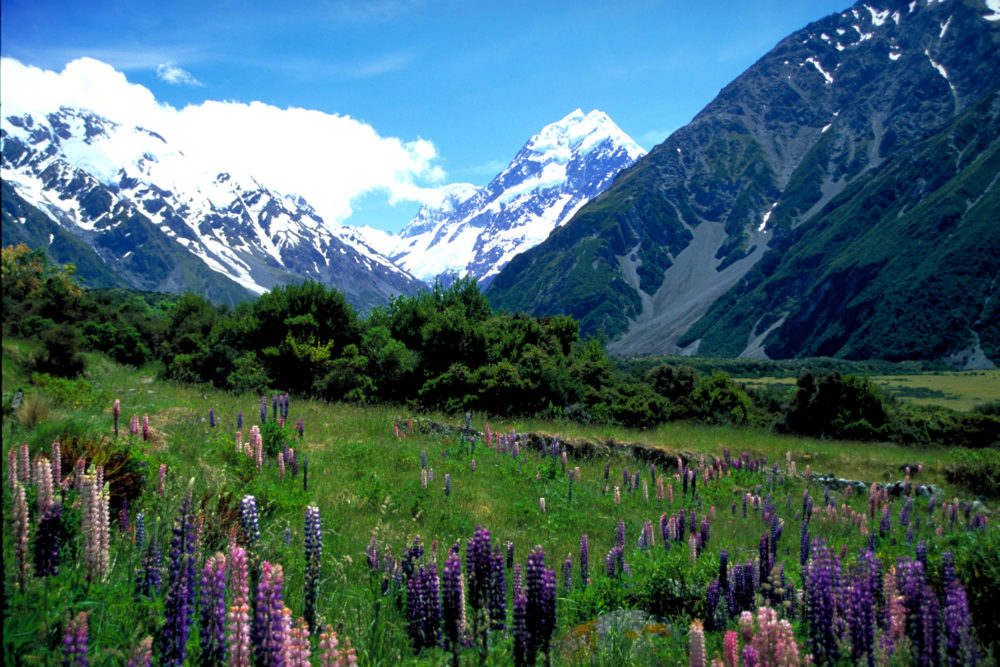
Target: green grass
x=956 y=390
x=366 y=483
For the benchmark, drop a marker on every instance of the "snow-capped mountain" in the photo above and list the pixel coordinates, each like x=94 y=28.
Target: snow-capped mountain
x=477 y=230
x=135 y=201
x=839 y=198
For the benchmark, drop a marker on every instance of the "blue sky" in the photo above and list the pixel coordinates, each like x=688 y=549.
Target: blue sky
x=473 y=79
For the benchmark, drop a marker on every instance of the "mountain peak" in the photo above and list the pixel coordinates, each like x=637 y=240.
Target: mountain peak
x=580 y=133
x=476 y=231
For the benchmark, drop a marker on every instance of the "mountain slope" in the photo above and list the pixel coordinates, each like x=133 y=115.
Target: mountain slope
x=161 y=221
x=775 y=162
x=476 y=231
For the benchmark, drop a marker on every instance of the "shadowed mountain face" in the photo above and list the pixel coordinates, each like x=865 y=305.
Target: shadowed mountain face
x=839 y=198
x=121 y=202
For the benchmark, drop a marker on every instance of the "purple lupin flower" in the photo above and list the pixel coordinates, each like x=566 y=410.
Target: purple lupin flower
x=267 y=633
x=861 y=594
x=249 y=523
x=212 y=631
x=300 y=427
x=314 y=554
x=478 y=566
x=239 y=421
x=498 y=592
x=148 y=579
x=540 y=589
x=263 y=410
x=414 y=611
x=452 y=609
x=522 y=636
x=804 y=543
x=447 y=484
x=822 y=579
x=620 y=535
x=910 y=582
x=75 y=642
x=171 y=644
x=959 y=647
x=764 y=555
x=123 y=516
x=584 y=561
x=516 y=580
x=567 y=572
x=211 y=417
x=116 y=411
x=47 y=541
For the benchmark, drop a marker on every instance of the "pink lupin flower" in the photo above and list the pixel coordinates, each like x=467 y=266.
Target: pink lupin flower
x=329 y=656
x=238 y=618
x=541 y=503
x=395 y=431
x=142 y=655
x=659 y=488
x=145 y=428
x=95 y=526
x=133 y=425
x=12 y=467
x=489 y=435
x=281 y=466
x=56 y=462
x=472 y=465
x=711 y=513
x=21 y=536
x=693 y=547
x=670 y=493
x=43 y=475
x=423 y=478
x=730 y=649
x=618 y=496
x=78 y=472
x=116 y=411
x=746 y=623
x=298 y=645
x=25 y=464
x=696 y=652
x=161 y=480
x=645 y=491
x=576 y=473
x=239 y=442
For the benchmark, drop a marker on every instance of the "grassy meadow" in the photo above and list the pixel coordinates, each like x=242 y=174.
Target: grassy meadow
x=364 y=474
x=956 y=390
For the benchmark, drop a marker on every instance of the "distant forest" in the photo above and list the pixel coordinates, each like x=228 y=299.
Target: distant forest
x=445 y=349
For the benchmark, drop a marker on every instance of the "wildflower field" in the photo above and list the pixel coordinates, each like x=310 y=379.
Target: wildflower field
x=151 y=522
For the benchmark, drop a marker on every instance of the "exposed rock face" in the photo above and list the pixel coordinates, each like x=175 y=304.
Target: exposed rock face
x=839 y=198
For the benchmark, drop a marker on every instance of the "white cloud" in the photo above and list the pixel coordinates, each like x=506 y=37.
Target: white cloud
x=174 y=75
x=332 y=160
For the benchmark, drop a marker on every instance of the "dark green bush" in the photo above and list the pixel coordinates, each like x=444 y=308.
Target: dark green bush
x=977 y=470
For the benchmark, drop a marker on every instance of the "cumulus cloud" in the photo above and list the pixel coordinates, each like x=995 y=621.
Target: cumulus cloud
x=174 y=75
x=331 y=160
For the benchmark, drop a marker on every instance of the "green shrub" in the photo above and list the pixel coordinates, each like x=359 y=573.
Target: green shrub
x=977 y=470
